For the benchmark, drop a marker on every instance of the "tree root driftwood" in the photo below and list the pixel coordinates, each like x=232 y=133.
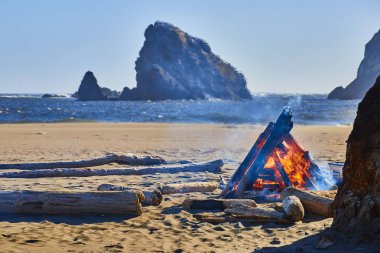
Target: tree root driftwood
x=189 y=187
x=212 y=166
x=36 y=202
x=312 y=202
x=128 y=159
x=153 y=198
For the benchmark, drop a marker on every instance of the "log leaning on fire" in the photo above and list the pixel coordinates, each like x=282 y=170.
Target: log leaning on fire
x=153 y=198
x=107 y=159
x=189 y=187
x=215 y=204
x=35 y=202
x=212 y=166
x=311 y=202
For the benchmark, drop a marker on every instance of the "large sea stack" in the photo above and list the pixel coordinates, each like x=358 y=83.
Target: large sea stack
x=89 y=89
x=368 y=70
x=357 y=204
x=174 y=65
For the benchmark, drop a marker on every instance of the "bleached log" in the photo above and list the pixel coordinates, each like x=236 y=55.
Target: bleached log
x=255 y=212
x=214 y=204
x=293 y=208
x=36 y=202
x=189 y=187
x=107 y=159
x=213 y=166
x=153 y=198
x=311 y=202
x=220 y=218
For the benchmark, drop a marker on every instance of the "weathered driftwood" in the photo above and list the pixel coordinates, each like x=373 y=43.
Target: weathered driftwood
x=220 y=218
x=213 y=166
x=310 y=201
x=255 y=212
x=35 y=202
x=248 y=161
x=109 y=158
x=215 y=204
x=282 y=127
x=293 y=208
x=153 y=198
x=189 y=187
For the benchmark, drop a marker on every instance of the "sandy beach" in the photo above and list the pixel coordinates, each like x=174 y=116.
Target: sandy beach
x=166 y=228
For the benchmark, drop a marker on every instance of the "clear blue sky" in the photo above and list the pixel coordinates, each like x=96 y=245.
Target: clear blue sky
x=282 y=46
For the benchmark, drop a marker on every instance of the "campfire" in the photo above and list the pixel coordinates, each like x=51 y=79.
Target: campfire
x=275 y=161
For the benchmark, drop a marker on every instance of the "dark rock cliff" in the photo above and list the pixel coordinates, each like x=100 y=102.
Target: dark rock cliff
x=89 y=88
x=174 y=65
x=368 y=71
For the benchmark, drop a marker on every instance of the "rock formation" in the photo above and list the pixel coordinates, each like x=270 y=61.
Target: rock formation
x=89 y=88
x=174 y=65
x=368 y=70
x=357 y=204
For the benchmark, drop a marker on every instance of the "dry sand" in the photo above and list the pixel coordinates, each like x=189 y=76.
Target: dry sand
x=166 y=228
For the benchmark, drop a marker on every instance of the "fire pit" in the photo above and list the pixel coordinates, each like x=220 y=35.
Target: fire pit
x=275 y=161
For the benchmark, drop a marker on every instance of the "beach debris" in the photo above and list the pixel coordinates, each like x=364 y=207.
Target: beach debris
x=275 y=161
x=211 y=166
x=128 y=159
x=215 y=204
x=312 y=202
x=189 y=187
x=223 y=217
x=255 y=212
x=153 y=198
x=222 y=183
x=293 y=208
x=324 y=243
x=59 y=202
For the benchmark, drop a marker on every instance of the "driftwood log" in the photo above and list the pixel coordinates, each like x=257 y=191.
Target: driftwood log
x=189 y=187
x=213 y=166
x=220 y=218
x=107 y=159
x=215 y=204
x=242 y=210
x=312 y=203
x=35 y=202
x=153 y=198
x=293 y=208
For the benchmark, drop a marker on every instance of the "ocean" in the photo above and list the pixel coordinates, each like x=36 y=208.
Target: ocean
x=307 y=109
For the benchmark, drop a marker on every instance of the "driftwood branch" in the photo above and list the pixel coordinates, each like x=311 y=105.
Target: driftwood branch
x=220 y=218
x=34 y=202
x=213 y=166
x=189 y=187
x=215 y=204
x=255 y=212
x=153 y=198
x=107 y=159
x=312 y=203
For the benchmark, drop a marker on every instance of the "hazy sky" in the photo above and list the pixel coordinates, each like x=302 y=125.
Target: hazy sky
x=281 y=46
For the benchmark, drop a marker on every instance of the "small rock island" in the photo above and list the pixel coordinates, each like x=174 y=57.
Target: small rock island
x=173 y=65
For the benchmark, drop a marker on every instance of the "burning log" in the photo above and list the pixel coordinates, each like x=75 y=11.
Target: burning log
x=220 y=218
x=245 y=211
x=34 y=202
x=107 y=159
x=293 y=208
x=189 y=187
x=153 y=198
x=215 y=204
x=213 y=166
x=310 y=201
